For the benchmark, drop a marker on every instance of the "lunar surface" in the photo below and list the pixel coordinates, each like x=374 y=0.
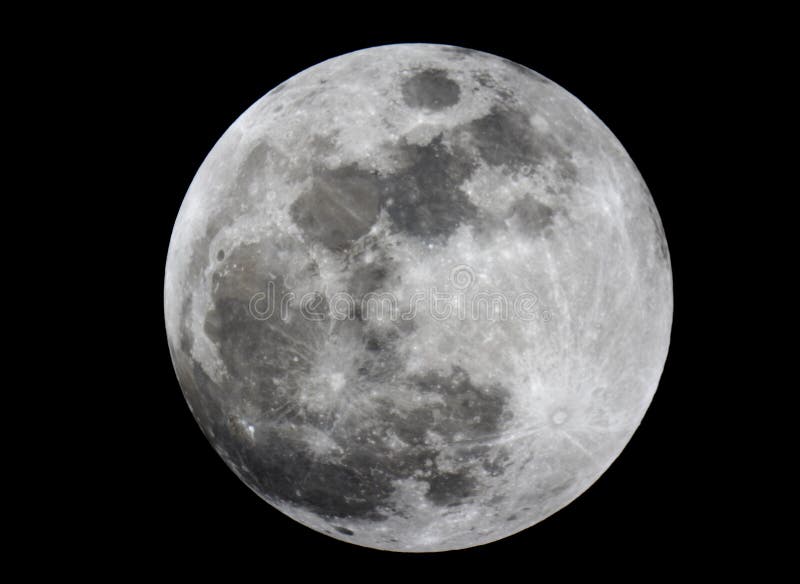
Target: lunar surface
x=418 y=297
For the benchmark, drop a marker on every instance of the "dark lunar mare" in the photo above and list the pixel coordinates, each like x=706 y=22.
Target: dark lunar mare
x=340 y=207
x=268 y=361
x=506 y=137
x=532 y=216
x=431 y=89
x=424 y=197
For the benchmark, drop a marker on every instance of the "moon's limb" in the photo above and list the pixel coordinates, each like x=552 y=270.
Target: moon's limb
x=380 y=174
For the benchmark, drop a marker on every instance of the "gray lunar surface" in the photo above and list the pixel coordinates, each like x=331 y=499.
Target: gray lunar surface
x=378 y=177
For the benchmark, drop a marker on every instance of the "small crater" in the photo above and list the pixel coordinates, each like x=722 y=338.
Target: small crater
x=220 y=255
x=558 y=417
x=344 y=530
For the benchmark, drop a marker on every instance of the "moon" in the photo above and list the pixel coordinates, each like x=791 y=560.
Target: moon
x=418 y=297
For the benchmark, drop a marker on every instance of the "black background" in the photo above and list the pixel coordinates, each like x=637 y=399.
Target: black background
x=164 y=92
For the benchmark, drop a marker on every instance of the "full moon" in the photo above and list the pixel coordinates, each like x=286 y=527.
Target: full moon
x=418 y=297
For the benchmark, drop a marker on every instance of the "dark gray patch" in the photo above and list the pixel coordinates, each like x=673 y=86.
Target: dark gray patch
x=431 y=89
x=281 y=466
x=380 y=340
x=505 y=136
x=412 y=427
x=285 y=469
x=511 y=518
x=487 y=224
x=365 y=284
x=450 y=488
x=379 y=366
x=344 y=530
x=533 y=216
x=256 y=352
x=278 y=88
x=340 y=207
x=368 y=278
x=263 y=159
x=359 y=484
x=468 y=409
x=379 y=363
x=471 y=412
x=425 y=198
x=220 y=255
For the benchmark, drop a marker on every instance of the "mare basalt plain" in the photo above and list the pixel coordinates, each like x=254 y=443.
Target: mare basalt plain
x=300 y=297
